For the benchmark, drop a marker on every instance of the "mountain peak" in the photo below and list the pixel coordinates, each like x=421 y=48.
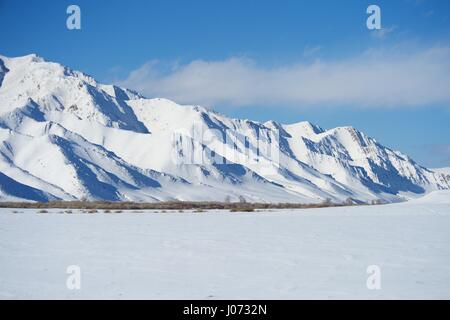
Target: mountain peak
x=29 y=58
x=304 y=128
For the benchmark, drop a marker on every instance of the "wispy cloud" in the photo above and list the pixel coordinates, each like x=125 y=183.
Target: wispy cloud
x=383 y=32
x=376 y=78
x=311 y=50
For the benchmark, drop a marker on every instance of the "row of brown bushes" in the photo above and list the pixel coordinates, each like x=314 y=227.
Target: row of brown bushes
x=167 y=205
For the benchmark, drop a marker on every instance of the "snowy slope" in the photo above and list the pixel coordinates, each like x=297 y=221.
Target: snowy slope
x=444 y=171
x=65 y=136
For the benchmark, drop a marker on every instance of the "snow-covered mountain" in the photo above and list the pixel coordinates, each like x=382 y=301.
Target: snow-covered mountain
x=65 y=136
x=444 y=171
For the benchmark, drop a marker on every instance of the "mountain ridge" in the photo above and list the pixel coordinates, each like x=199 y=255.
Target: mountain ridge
x=66 y=136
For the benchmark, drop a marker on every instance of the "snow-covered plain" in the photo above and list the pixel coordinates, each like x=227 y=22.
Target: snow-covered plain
x=291 y=254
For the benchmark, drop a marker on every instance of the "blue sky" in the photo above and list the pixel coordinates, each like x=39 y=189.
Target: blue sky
x=252 y=57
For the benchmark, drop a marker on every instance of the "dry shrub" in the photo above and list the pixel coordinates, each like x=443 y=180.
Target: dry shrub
x=199 y=206
x=242 y=209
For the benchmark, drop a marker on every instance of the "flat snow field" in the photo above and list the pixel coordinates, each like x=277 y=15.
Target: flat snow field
x=298 y=254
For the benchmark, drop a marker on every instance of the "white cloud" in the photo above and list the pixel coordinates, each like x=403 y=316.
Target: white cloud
x=376 y=78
